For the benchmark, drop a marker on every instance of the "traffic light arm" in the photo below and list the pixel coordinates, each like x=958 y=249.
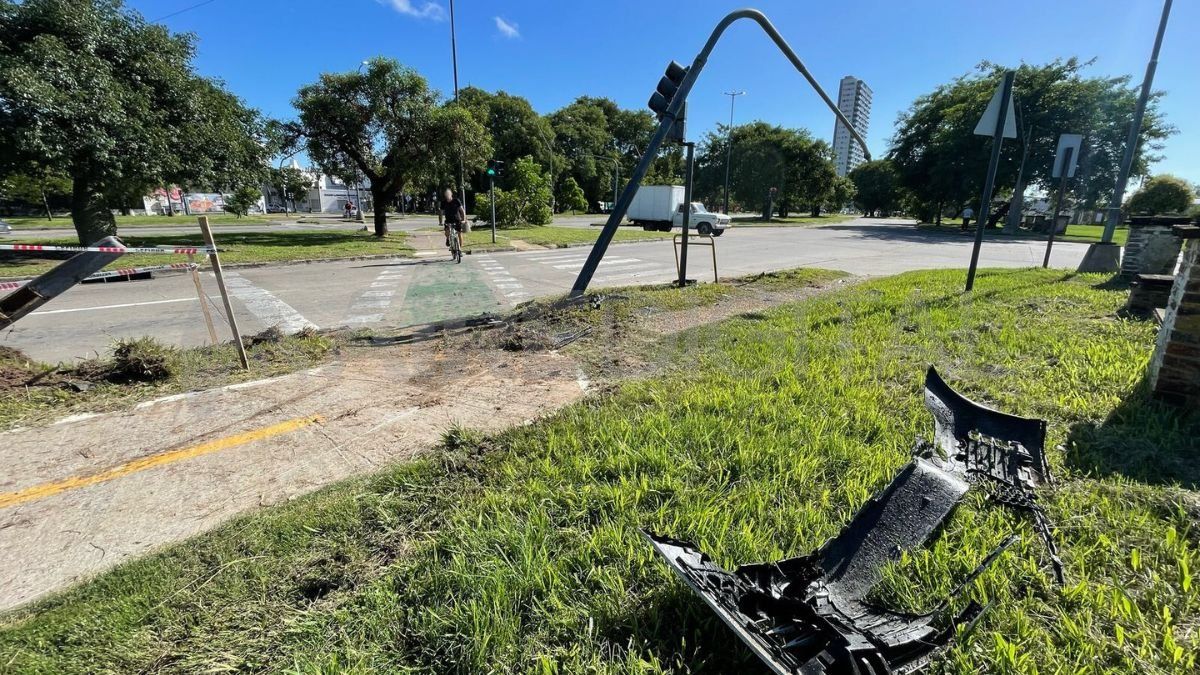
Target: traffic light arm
x=668 y=120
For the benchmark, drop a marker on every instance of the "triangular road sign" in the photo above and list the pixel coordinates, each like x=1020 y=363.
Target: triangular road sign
x=987 y=123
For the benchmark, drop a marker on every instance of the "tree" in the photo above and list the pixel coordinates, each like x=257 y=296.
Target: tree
x=242 y=200
x=516 y=130
x=290 y=183
x=573 y=197
x=941 y=162
x=841 y=194
x=39 y=188
x=91 y=90
x=765 y=157
x=1162 y=194
x=528 y=202
x=876 y=185
x=390 y=126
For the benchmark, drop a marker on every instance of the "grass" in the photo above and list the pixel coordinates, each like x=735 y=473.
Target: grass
x=38 y=223
x=1086 y=234
x=142 y=369
x=480 y=237
x=521 y=552
x=237 y=247
x=807 y=221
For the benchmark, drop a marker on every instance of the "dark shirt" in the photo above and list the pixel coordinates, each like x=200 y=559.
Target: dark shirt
x=450 y=210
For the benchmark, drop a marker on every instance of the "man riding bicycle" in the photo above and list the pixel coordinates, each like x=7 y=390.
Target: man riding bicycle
x=453 y=215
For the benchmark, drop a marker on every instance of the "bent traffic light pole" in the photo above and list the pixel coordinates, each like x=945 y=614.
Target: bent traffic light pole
x=668 y=120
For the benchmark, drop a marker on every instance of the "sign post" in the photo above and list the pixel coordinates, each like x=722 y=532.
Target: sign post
x=687 y=214
x=999 y=121
x=1065 y=163
x=216 y=266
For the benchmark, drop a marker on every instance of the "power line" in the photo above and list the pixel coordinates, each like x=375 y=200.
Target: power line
x=185 y=9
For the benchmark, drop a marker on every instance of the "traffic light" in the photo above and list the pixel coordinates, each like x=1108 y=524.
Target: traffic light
x=660 y=100
x=495 y=167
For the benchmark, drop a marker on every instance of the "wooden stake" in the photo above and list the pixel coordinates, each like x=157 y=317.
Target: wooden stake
x=212 y=331
x=216 y=263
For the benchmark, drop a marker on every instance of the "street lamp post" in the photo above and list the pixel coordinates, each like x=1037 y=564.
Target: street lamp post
x=462 y=180
x=357 y=182
x=729 y=143
x=1135 y=128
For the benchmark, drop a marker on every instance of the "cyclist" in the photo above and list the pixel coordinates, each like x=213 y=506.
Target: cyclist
x=453 y=216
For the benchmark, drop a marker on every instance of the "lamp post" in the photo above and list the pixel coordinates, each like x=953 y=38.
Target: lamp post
x=357 y=182
x=1135 y=128
x=729 y=143
x=462 y=180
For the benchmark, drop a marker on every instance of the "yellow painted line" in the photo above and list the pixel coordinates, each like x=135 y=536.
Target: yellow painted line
x=74 y=482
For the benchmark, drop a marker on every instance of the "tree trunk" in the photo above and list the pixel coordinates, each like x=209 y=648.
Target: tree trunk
x=816 y=211
x=46 y=203
x=938 y=214
x=90 y=214
x=1012 y=224
x=380 y=198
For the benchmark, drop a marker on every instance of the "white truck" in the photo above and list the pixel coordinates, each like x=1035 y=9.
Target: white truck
x=660 y=207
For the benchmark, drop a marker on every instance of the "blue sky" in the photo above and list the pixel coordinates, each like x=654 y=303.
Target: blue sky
x=551 y=51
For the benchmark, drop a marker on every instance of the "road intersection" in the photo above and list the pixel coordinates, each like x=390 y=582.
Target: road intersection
x=429 y=288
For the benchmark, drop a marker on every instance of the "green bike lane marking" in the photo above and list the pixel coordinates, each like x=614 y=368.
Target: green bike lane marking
x=441 y=290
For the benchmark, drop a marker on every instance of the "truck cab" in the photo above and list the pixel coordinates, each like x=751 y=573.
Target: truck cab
x=701 y=220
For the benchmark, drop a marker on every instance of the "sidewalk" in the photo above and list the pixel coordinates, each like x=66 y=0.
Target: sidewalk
x=85 y=494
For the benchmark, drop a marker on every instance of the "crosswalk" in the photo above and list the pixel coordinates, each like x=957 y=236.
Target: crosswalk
x=614 y=268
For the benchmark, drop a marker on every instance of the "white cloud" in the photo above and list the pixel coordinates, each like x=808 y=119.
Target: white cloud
x=507 y=28
x=422 y=9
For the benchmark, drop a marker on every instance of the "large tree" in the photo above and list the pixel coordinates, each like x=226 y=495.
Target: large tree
x=941 y=162
x=764 y=157
x=387 y=124
x=91 y=90
x=877 y=186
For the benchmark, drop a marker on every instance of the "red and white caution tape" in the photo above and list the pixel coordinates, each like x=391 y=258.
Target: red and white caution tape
x=178 y=250
x=108 y=274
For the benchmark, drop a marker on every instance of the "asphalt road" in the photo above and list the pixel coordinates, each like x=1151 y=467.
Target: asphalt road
x=84 y=321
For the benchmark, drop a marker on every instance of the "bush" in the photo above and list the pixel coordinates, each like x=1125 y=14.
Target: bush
x=528 y=200
x=141 y=359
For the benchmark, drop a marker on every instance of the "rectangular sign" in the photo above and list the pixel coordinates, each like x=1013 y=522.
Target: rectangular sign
x=1074 y=141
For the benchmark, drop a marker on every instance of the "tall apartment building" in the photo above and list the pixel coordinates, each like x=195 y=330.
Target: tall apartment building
x=854 y=100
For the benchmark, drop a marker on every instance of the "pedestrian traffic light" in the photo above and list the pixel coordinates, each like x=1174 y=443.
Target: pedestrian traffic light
x=495 y=167
x=661 y=99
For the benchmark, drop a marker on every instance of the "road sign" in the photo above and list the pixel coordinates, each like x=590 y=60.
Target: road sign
x=987 y=123
x=1073 y=141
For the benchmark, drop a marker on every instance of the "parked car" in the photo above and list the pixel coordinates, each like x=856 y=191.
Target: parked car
x=660 y=207
x=275 y=208
x=5 y=228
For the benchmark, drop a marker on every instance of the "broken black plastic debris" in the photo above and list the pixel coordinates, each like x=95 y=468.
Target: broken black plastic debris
x=809 y=615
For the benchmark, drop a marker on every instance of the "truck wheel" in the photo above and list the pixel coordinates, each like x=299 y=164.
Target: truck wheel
x=664 y=228
x=705 y=229
x=717 y=233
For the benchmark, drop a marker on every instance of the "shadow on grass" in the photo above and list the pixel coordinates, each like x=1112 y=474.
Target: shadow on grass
x=677 y=627
x=291 y=238
x=1142 y=439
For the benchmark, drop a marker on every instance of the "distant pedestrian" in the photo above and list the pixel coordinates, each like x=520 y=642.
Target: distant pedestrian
x=967 y=214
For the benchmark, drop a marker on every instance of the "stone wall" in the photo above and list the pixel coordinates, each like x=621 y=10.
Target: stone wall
x=1153 y=247
x=1175 y=367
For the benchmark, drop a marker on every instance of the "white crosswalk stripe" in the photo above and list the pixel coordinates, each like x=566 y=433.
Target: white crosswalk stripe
x=504 y=282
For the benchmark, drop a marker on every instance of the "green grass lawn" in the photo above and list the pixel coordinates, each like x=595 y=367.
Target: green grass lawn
x=549 y=235
x=237 y=247
x=1086 y=234
x=807 y=221
x=522 y=553
x=32 y=223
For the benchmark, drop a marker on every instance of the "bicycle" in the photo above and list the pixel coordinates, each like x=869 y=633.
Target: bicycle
x=455 y=244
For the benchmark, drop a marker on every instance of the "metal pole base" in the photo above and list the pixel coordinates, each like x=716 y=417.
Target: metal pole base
x=1102 y=257
x=685 y=283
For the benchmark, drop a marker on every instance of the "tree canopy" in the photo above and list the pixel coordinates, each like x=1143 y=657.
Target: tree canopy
x=766 y=156
x=92 y=91
x=1163 y=194
x=940 y=161
x=877 y=186
x=389 y=126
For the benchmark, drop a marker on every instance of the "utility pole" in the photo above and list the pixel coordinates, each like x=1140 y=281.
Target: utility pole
x=1064 y=173
x=729 y=143
x=1135 y=128
x=462 y=173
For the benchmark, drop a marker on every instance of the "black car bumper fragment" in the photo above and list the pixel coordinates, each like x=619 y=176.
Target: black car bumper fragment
x=809 y=615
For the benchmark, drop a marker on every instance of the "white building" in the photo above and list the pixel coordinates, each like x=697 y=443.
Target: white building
x=854 y=100
x=329 y=194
